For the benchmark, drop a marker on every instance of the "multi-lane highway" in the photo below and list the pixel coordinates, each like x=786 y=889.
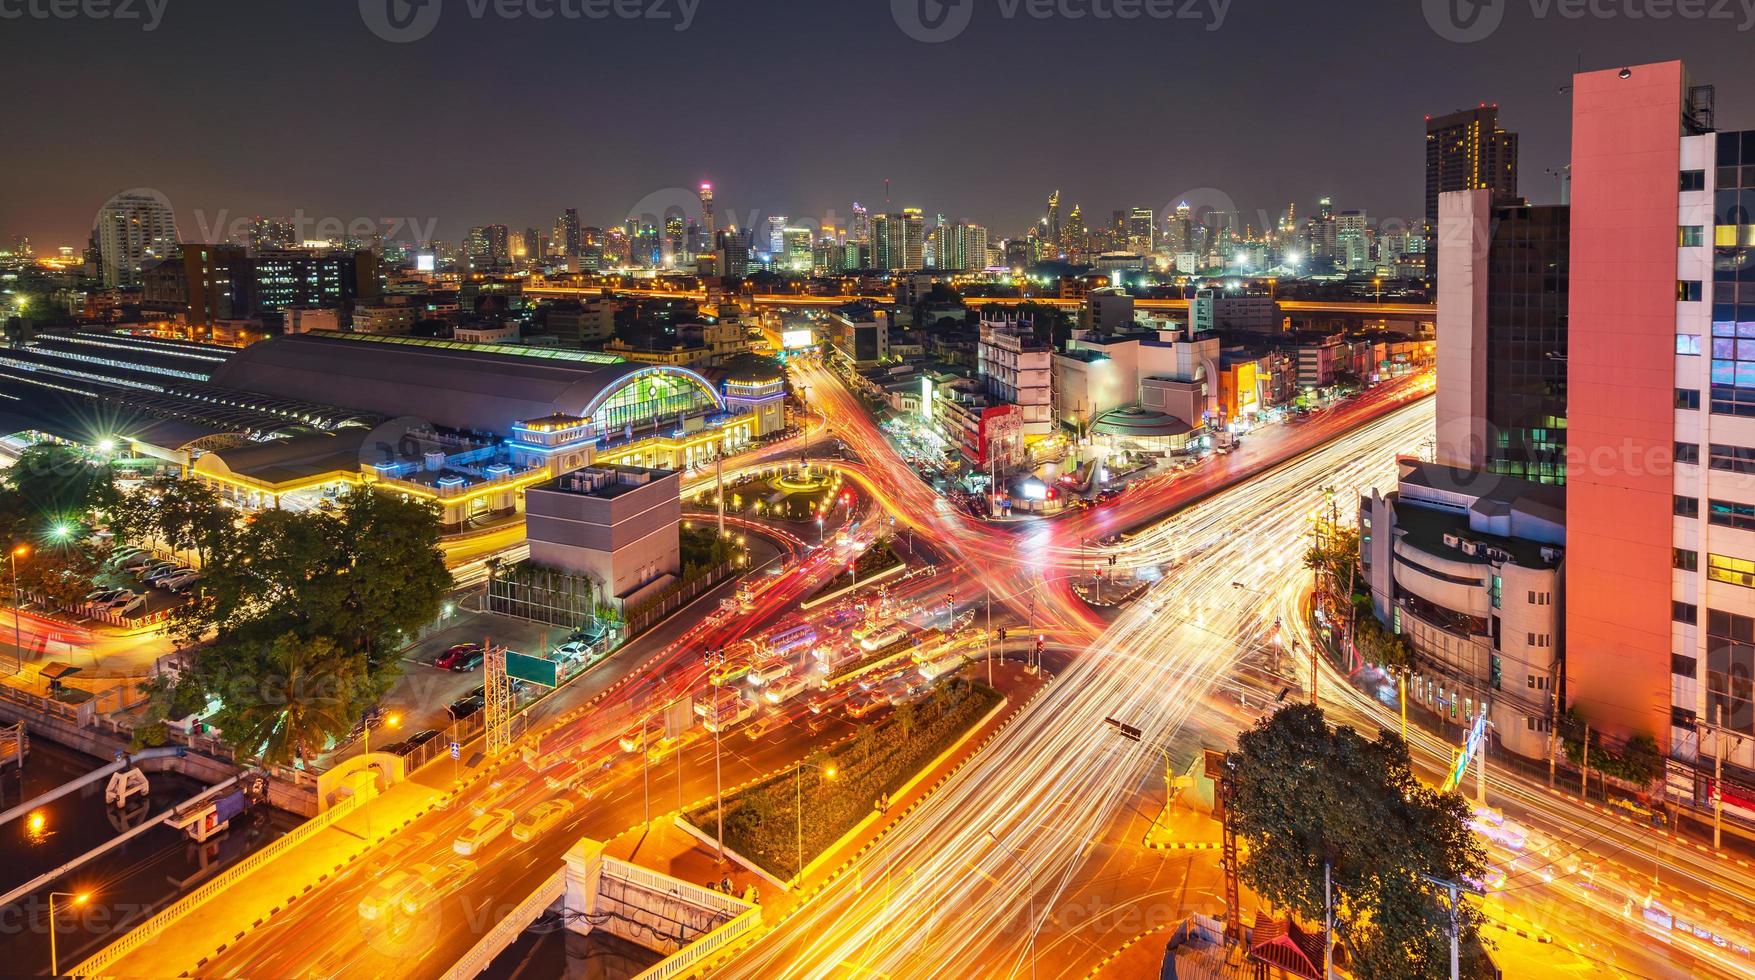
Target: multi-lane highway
x=1012 y=829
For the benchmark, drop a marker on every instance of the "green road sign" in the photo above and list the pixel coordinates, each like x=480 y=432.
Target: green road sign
x=536 y=670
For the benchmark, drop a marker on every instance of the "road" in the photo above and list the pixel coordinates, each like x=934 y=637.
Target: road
x=1012 y=829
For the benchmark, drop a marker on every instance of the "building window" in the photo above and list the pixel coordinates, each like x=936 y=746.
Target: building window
x=1728 y=513
x=1682 y=717
x=1731 y=571
x=1684 y=559
x=1734 y=459
x=1684 y=666
x=1684 y=612
x=1730 y=671
x=1693 y=180
x=1688 y=344
x=1495 y=590
x=1689 y=398
x=1690 y=236
x=1688 y=452
x=1686 y=506
x=1688 y=291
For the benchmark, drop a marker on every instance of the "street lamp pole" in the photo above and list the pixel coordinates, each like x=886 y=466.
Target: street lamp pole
x=17 y=552
x=79 y=900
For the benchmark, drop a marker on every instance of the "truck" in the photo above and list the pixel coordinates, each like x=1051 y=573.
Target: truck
x=721 y=711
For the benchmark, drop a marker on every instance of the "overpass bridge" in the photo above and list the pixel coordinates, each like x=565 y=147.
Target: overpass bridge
x=1310 y=308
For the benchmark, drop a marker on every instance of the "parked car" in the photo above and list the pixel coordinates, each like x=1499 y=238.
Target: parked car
x=422 y=737
x=465 y=706
x=541 y=818
x=163 y=572
x=454 y=654
x=102 y=596
x=179 y=581
x=468 y=662
x=482 y=831
x=121 y=600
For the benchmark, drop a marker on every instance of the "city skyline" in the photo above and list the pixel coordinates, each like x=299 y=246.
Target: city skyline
x=290 y=151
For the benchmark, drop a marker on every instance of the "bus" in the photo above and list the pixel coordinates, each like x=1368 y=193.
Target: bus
x=787 y=640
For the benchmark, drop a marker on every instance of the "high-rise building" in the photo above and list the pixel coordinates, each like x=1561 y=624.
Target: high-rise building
x=1660 y=600
x=1352 y=246
x=796 y=250
x=1466 y=150
x=899 y=241
x=962 y=247
x=776 y=240
x=1502 y=347
x=859 y=229
x=313 y=278
x=567 y=238
x=1141 y=231
x=487 y=246
x=220 y=283
x=708 y=227
x=133 y=227
x=1051 y=225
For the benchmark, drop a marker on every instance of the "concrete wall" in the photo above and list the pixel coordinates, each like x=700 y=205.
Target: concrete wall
x=1463 y=237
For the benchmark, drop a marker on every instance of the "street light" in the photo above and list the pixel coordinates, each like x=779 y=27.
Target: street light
x=79 y=900
x=828 y=772
x=12 y=557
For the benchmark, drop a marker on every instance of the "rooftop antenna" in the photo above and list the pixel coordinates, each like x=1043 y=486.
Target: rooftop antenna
x=886 y=193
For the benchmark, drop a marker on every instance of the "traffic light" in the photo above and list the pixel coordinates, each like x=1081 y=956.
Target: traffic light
x=1002 y=634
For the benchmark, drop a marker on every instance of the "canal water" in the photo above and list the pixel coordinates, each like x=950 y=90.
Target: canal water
x=125 y=885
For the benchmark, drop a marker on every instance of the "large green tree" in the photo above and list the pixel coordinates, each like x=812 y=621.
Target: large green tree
x=53 y=484
x=1305 y=795
x=295 y=698
x=184 y=514
x=291 y=599
x=366 y=576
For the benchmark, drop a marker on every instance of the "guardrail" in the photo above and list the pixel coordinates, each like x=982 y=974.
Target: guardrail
x=149 y=930
x=684 y=960
x=508 y=928
x=660 y=884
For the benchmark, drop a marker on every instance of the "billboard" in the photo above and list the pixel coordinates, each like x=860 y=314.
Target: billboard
x=424 y=262
x=536 y=670
x=798 y=339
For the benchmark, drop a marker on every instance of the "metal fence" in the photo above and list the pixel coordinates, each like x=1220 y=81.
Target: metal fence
x=648 y=615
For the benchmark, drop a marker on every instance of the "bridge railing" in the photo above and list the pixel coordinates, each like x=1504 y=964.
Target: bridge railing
x=507 y=929
x=146 y=932
x=685 y=891
x=684 y=960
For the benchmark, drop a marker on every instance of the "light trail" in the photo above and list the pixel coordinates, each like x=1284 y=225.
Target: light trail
x=1016 y=823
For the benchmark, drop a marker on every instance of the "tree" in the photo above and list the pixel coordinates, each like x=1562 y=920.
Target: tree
x=1306 y=795
x=1378 y=645
x=63 y=575
x=366 y=576
x=307 y=694
x=1337 y=555
x=53 y=483
x=184 y=514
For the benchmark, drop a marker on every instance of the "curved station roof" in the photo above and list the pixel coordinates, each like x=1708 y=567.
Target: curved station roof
x=460 y=386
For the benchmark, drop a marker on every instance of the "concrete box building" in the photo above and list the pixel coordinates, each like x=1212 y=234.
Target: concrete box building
x=1018 y=370
x=617 y=525
x=1467 y=566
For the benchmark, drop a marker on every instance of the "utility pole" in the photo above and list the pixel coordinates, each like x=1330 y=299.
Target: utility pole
x=719 y=483
x=1553 y=721
x=1456 y=891
x=1328 y=923
x=1584 y=765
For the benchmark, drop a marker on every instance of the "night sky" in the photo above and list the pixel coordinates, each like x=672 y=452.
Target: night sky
x=794 y=107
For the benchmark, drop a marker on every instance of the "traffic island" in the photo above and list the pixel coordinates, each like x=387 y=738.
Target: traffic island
x=783 y=823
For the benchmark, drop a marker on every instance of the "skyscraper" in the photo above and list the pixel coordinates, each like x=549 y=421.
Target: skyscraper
x=1142 y=232
x=132 y=228
x=567 y=238
x=1660 y=601
x=776 y=240
x=1466 y=150
x=708 y=226
x=899 y=241
x=1053 y=225
x=859 y=229
x=1502 y=330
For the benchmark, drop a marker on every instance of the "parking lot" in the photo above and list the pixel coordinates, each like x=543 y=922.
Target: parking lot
x=131 y=576
x=420 y=697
